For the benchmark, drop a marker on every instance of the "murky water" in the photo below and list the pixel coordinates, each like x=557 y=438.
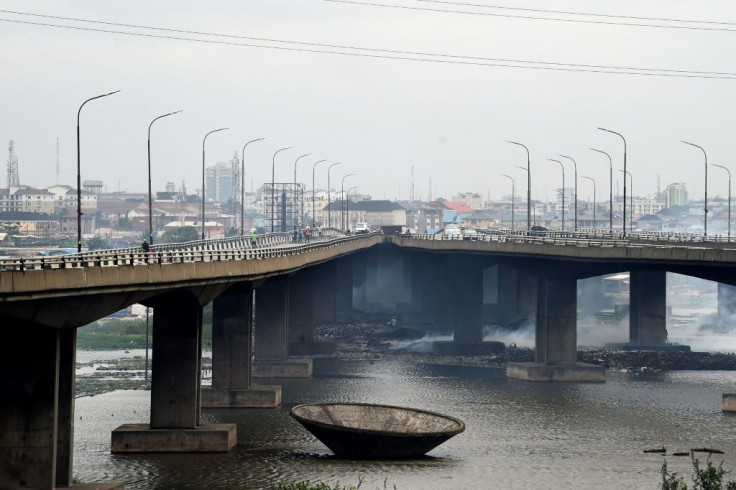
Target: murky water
x=518 y=434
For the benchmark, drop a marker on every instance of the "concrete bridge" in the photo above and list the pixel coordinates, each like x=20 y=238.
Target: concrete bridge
x=297 y=286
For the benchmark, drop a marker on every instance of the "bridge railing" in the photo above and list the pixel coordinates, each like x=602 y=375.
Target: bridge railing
x=234 y=248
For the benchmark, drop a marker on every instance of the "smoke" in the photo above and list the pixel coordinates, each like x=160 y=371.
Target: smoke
x=522 y=336
x=423 y=345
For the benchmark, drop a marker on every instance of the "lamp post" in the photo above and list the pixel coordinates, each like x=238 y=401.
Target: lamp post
x=610 y=202
x=273 y=182
x=242 y=187
x=705 y=214
x=624 y=140
x=575 y=165
x=512 y=199
x=150 y=199
x=528 y=206
x=342 y=199
x=203 y=182
x=528 y=187
x=563 y=190
x=347 y=210
x=329 y=202
x=295 y=162
x=729 y=198
x=631 y=198
x=313 y=198
x=593 y=181
x=79 y=173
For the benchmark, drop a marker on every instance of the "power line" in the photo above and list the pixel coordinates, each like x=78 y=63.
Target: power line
x=358 y=48
x=394 y=54
x=532 y=17
x=590 y=14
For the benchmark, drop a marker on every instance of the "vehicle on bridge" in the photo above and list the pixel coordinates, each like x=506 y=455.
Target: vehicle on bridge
x=362 y=228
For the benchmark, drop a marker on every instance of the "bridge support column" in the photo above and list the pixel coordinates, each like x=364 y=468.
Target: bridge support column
x=304 y=288
x=175 y=387
x=726 y=304
x=500 y=295
x=556 y=337
x=232 y=328
x=344 y=288
x=37 y=408
x=272 y=320
x=464 y=290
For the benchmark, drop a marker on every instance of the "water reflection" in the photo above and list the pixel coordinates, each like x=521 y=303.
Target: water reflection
x=518 y=434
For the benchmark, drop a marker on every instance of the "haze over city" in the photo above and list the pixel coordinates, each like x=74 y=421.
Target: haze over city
x=270 y=69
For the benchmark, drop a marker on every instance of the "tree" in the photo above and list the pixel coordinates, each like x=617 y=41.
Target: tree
x=233 y=231
x=180 y=234
x=98 y=243
x=124 y=223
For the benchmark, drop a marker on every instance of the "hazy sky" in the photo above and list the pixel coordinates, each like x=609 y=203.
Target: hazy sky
x=378 y=116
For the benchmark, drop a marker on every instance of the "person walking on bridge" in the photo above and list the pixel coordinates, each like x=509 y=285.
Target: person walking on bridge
x=254 y=238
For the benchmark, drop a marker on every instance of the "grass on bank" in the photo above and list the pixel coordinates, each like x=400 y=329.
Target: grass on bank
x=307 y=485
x=709 y=478
x=124 y=333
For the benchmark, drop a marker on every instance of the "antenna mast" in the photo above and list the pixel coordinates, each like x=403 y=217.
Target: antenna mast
x=13 y=177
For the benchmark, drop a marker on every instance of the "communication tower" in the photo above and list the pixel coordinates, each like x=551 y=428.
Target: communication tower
x=13 y=177
x=411 y=188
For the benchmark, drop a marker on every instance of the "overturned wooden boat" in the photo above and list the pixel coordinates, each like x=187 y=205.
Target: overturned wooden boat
x=359 y=430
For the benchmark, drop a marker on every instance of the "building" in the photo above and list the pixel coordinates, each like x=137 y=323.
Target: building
x=471 y=199
x=676 y=195
x=221 y=182
x=424 y=219
x=375 y=213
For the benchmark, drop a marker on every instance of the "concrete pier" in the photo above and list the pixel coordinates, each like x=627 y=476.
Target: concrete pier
x=648 y=313
x=728 y=402
x=271 y=333
x=462 y=305
x=232 y=329
x=37 y=407
x=175 y=386
x=304 y=288
x=556 y=337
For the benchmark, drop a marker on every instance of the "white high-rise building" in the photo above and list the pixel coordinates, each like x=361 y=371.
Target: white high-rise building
x=676 y=195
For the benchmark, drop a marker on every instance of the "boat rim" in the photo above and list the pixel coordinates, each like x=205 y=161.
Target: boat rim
x=458 y=430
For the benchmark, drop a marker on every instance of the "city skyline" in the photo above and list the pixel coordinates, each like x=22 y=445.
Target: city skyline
x=379 y=116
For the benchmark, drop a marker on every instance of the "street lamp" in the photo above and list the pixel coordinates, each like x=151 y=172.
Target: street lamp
x=563 y=190
x=610 y=202
x=329 y=202
x=705 y=215
x=203 y=182
x=313 y=199
x=79 y=173
x=273 y=182
x=150 y=199
x=576 y=187
x=512 y=199
x=342 y=198
x=624 y=140
x=242 y=188
x=294 y=191
x=347 y=210
x=729 y=198
x=631 y=198
x=593 y=181
x=528 y=206
x=528 y=187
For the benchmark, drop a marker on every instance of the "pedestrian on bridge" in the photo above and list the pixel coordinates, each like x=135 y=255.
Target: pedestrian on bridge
x=146 y=248
x=307 y=234
x=254 y=238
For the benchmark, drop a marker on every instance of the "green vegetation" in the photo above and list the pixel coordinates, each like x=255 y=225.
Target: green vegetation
x=307 y=485
x=98 y=243
x=119 y=333
x=180 y=234
x=708 y=478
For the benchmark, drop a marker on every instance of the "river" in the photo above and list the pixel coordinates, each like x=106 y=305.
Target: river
x=518 y=434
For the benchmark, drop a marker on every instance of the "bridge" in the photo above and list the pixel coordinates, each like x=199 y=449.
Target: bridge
x=297 y=286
